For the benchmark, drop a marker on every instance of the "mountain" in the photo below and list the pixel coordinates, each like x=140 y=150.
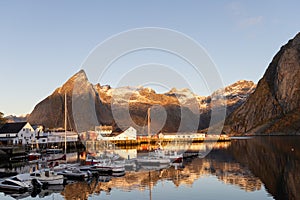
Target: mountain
x=13 y=118
x=274 y=106
x=90 y=105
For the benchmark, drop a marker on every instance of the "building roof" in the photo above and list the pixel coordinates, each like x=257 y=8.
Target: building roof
x=12 y=127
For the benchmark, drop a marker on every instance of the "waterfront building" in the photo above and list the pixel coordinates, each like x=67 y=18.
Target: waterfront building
x=128 y=134
x=20 y=133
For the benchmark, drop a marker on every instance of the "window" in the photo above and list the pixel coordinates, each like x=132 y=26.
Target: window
x=10 y=183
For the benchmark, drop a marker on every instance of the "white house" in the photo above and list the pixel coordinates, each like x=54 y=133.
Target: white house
x=20 y=133
x=128 y=134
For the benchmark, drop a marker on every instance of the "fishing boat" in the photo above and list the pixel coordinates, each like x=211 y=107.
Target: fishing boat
x=152 y=159
x=47 y=176
x=91 y=160
x=107 y=165
x=174 y=156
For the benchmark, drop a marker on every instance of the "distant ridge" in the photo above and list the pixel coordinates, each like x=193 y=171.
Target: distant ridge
x=13 y=118
x=49 y=111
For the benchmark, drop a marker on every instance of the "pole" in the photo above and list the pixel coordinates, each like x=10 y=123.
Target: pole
x=65 y=123
x=149 y=128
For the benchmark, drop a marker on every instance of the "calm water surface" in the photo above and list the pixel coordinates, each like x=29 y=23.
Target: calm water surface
x=257 y=168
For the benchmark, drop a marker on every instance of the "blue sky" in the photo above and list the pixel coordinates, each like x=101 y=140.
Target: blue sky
x=43 y=43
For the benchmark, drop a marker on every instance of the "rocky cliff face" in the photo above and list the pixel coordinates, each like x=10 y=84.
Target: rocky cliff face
x=94 y=104
x=274 y=106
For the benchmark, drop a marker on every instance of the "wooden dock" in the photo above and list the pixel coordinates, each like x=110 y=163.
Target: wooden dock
x=121 y=143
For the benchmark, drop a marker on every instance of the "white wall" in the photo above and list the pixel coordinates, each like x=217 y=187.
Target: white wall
x=129 y=134
x=182 y=136
x=26 y=135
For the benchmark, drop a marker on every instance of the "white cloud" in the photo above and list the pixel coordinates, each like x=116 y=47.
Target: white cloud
x=241 y=17
x=235 y=8
x=251 y=21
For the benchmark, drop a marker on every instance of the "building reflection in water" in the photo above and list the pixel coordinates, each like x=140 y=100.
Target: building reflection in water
x=261 y=163
x=218 y=163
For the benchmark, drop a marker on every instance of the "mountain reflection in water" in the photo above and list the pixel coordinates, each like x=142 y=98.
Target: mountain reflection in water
x=256 y=168
x=275 y=160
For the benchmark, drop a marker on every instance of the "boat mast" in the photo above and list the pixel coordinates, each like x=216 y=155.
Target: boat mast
x=65 y=123
x=149 y=128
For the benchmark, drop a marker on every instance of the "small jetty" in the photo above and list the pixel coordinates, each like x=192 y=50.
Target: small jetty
x=13 y=153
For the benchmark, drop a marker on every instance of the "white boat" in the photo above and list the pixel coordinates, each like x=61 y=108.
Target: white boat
x=14 y=186
x=153 y=160
x=91 y=160
x=172 y=155
x=107 y=165
x=47 y=176
x=31 y=181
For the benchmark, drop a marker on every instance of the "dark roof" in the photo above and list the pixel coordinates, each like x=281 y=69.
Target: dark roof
x=12 y=127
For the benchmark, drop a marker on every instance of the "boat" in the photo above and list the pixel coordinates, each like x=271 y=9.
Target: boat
x=107 y=165
x=75 y=174
x=174 y=156
x=31 y=181
x=34 y=156
x=10 y=185
x=91 y=160
x=55 y=157
x=153 y=160
x=47 y=176
x=54 y=151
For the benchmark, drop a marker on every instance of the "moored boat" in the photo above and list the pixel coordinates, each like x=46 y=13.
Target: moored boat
x=75 y=174
x=107 y=165
x=174 y=156
x=153 y=160
x=47 y=176
x=34 y=156
x=13 y=186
